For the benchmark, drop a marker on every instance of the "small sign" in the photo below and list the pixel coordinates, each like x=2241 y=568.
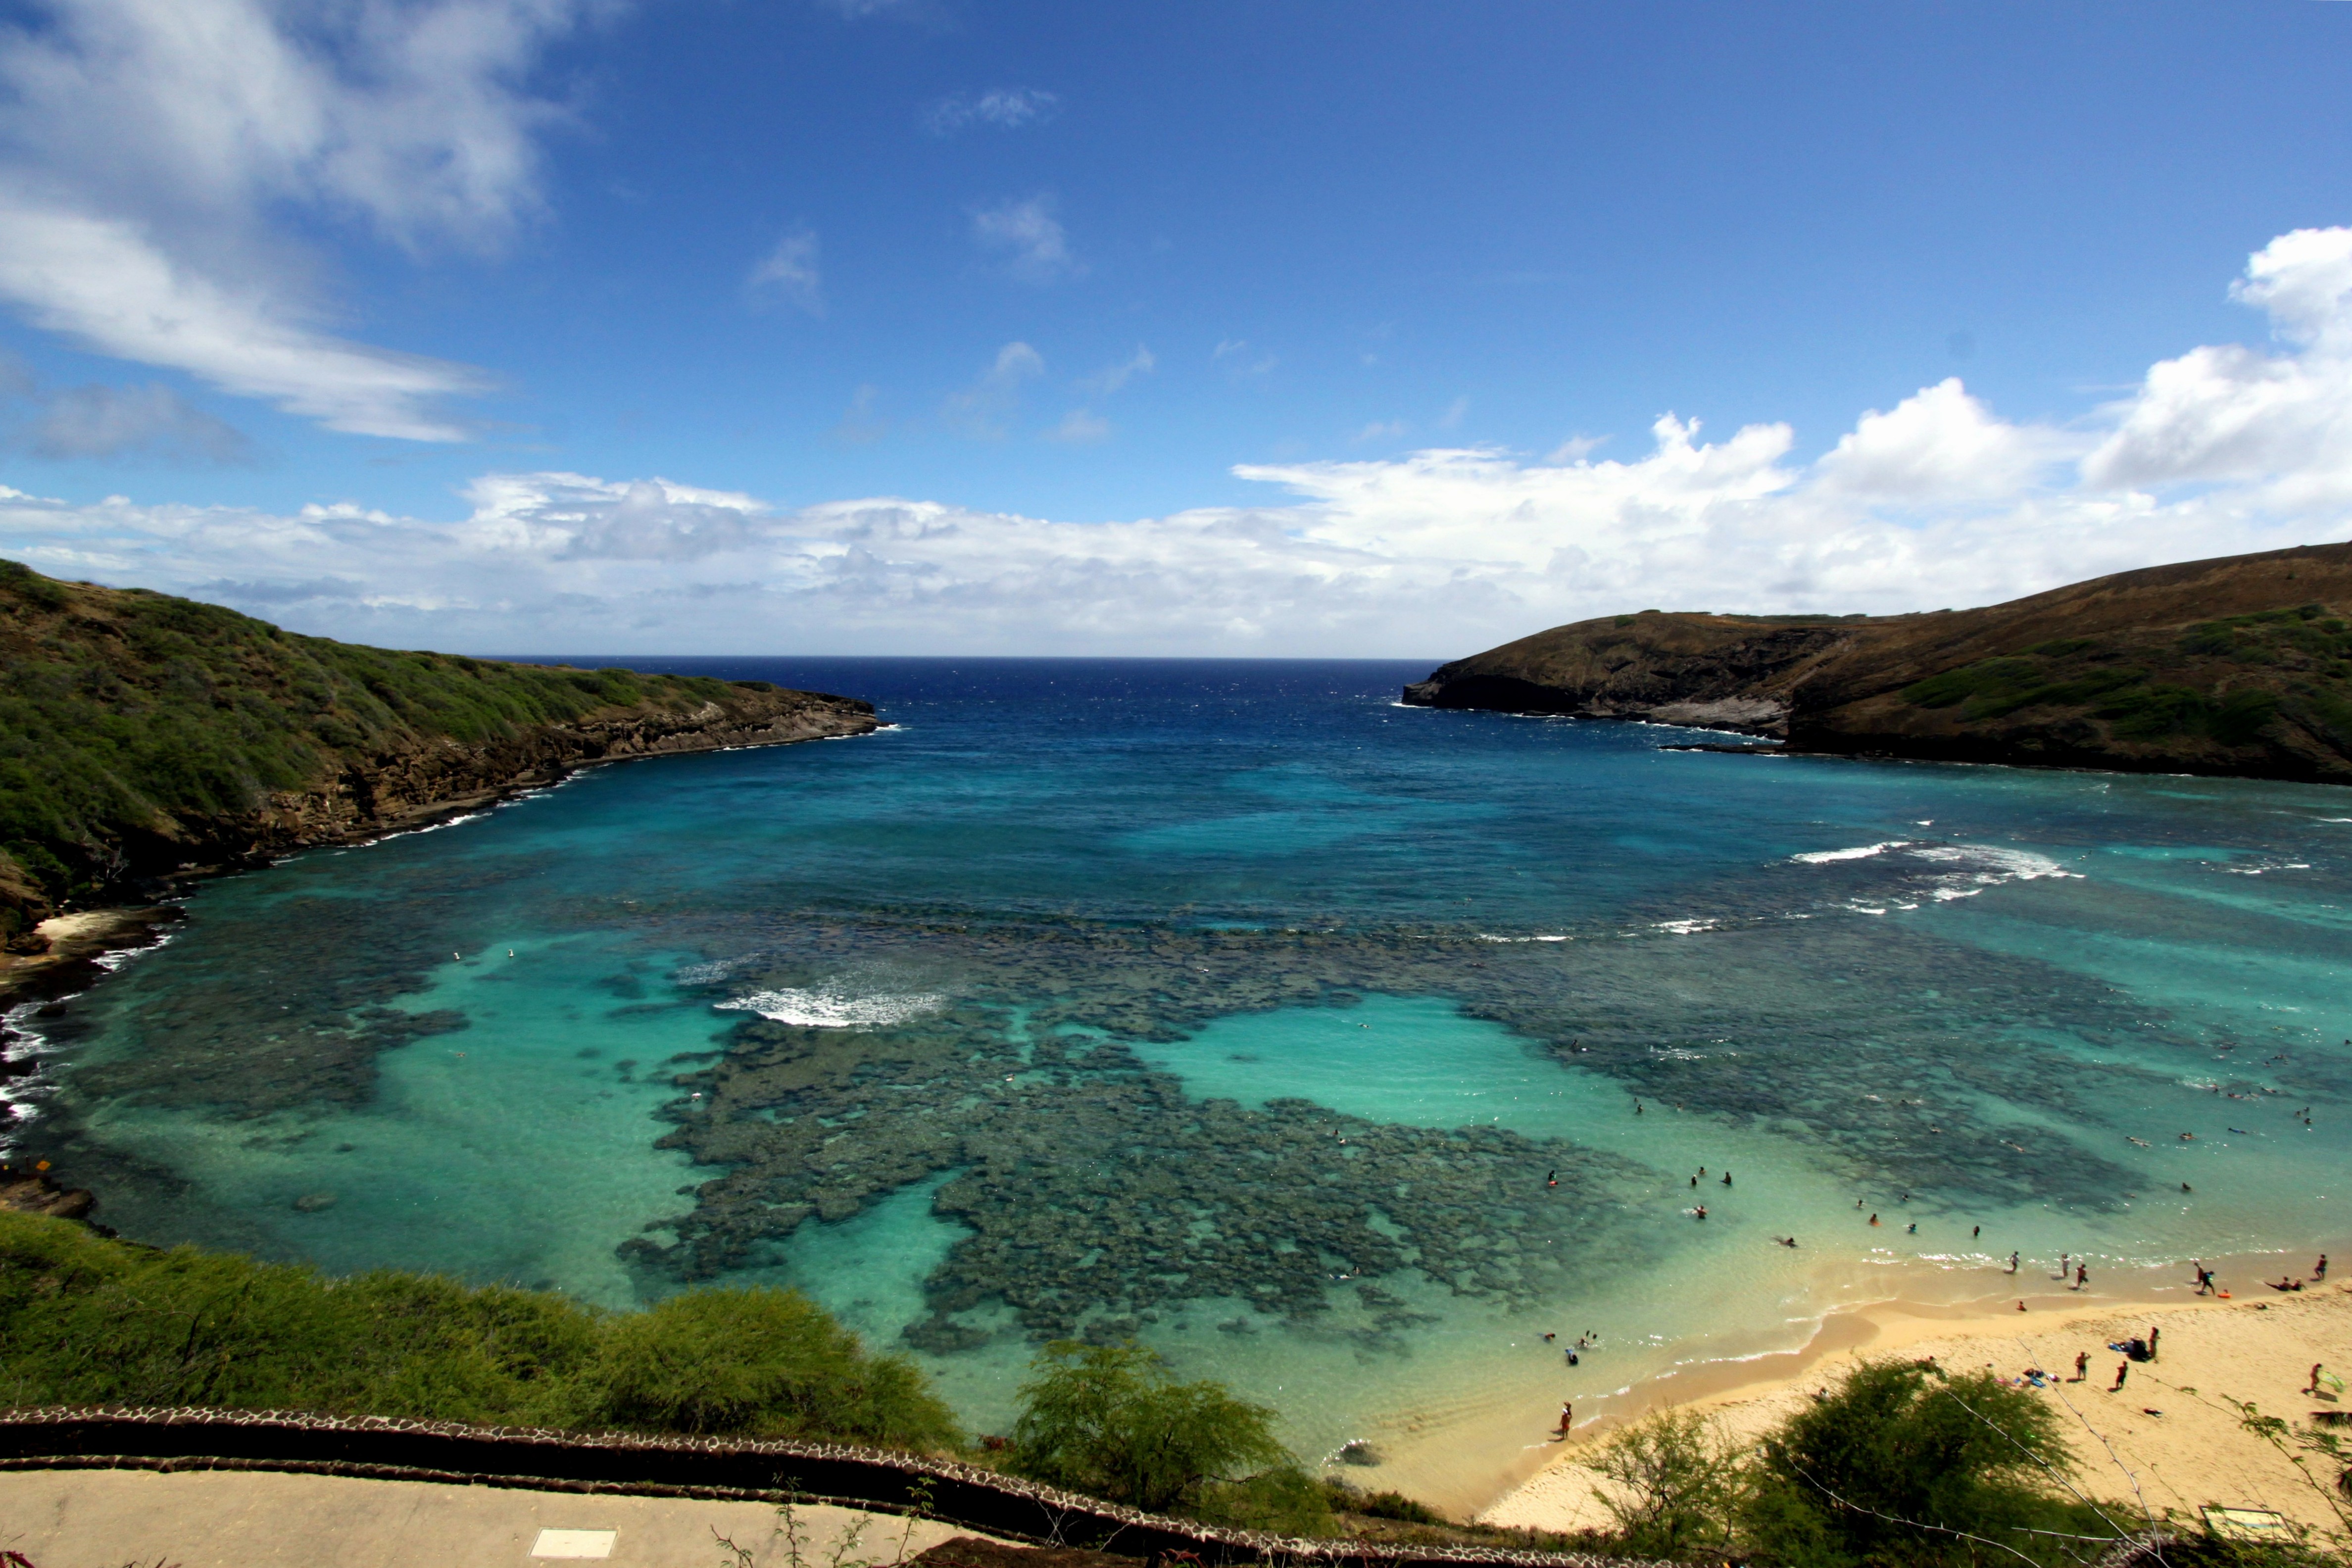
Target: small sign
x=574 y=1543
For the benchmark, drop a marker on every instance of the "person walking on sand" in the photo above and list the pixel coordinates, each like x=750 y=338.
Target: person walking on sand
x=2081 y=1365
x=2123 y=1369
x=2012 y=1263
x=2152 y=1331
x=2319 y=1269
x=2313 y=1387
x=1567 y=1416
x=2081 y=1276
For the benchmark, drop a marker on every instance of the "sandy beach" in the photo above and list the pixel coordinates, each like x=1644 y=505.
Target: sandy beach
x=2168 y=1443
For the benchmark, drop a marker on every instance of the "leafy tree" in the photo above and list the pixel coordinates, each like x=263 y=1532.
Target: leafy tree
x=1679 y=1486
x=1112 y=1421
x=1906 y=1466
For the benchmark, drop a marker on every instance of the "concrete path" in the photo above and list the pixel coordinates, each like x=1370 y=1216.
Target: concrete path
x=253 y=1519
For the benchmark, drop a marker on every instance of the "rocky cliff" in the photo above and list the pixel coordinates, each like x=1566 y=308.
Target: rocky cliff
x=143 y=737
x=2241 y=665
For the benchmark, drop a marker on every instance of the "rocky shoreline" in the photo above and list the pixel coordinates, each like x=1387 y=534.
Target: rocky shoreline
x=411 y=789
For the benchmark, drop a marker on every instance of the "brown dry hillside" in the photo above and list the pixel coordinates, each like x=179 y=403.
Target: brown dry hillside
x=2240 y=665
x=141 y=735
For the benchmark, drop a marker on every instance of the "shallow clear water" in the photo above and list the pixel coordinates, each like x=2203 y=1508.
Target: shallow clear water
x=1234 y=1007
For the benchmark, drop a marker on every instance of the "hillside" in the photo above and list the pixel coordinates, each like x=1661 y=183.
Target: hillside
x=141 y=735
x=2241 y=665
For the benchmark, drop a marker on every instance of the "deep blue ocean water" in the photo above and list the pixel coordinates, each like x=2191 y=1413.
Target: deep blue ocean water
x=1233 y=1006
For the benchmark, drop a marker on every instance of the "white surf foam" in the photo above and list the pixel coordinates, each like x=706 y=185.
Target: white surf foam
x=1860 y=852
x=826 y=1009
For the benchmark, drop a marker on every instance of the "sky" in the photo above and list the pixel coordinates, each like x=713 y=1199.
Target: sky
x=1253 y=327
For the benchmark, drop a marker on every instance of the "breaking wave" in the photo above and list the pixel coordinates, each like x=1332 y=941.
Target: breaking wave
x=825 y=1009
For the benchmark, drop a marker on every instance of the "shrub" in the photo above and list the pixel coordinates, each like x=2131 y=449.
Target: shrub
x=756 y=1363
x=1381 y=1505
x=89 y=1320
x=1110 y=1421
x=1679 y=1485
x=1904 y=1465
x=1285 y=1500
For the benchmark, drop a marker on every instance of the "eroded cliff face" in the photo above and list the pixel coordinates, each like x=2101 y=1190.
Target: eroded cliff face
x=2241 y=665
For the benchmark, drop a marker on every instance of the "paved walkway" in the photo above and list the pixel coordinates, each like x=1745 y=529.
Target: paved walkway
x=254 y=1519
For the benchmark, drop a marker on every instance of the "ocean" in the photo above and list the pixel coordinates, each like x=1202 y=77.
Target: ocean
x=1341 y=1051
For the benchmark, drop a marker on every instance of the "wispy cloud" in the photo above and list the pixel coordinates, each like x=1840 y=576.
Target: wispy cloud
x=148 y=152
x=1080 y=427
x=1111 y=377
x=984 y=410
x=1382 y=430
x=108 y=422
x=1240 y=361
x=1936 y=502
x=861 y=425
x=1000 y=109
x=1029 y=239
x=790 y=272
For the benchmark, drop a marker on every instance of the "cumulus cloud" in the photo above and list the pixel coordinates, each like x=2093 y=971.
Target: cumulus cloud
x=2232 y=413
x=1939 y=444
x=1934 y=502
x=985 y=409
x=790 y=272
x=1028 y=238
x=147 y=151
x=1001 y=108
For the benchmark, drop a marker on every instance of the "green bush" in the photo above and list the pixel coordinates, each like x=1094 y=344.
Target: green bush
x=1285 y=1500
x=756 y=1362
x=1904 y=1466
x=1110 y=1421
x=1679 y=1485
x=89 y=1320
x=1381 y=1505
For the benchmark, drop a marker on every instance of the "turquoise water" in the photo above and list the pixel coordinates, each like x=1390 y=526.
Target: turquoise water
x=1236 y=1008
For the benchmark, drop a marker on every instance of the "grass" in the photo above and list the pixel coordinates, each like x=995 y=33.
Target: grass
x=133 y=725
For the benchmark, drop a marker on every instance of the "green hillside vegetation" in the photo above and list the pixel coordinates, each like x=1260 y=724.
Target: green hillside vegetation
x=132 y=722
x=85 y=1319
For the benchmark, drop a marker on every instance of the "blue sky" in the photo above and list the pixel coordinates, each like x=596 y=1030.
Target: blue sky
x=882 y=325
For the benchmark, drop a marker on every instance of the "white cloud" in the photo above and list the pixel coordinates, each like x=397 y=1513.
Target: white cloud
x=1110 y=378
x=1080 y=427
x=1938 y=445
x=1433 y=554
x=102 y=282
x=148 y=147
x=986 y=408
x=789 y=271
x=1382 y=430
x=2230 y=413
x=1003 y=109
x=1029 y=238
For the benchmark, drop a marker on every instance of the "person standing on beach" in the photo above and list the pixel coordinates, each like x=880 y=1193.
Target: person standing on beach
x=2319 y=1269
x=2081 y=1276
x=2153 y=1331
x=1567 y=1416
x=2081 y=1365
x=2122 y=1369
x=2012 y=1263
